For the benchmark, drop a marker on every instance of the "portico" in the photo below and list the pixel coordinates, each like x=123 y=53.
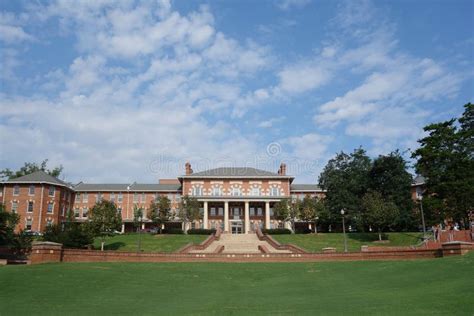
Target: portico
x=237 y=215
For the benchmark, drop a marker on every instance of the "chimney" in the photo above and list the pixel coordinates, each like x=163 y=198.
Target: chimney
x=282 y=170
x=188 y=169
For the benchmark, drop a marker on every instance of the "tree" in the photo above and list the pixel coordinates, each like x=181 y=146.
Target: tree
x=104 y=220
x=160 y=212
x=190 y=210
x=72 y=234
x=137 y=217
x=345 y=179
x=281 y=210
x=294 y=213
x=30 y=167
x=308 y=209
x=378 y=212
x=19 y=243
x=446 y=159
x=389 y=176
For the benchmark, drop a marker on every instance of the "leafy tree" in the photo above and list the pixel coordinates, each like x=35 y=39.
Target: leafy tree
x=446 y=159
x=379 y=212
x=389 y=176
x=308 y=209
x=30 y=167
x=137 y=216
x=19 y=242
x=160 y=212
x=72 y=234
x=190 y=210
x=294 y=213
x=322 y=213
x=104 y=220
x=346 y=179
x=281 y=210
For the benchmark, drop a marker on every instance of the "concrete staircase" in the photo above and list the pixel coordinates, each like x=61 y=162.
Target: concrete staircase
x=239 y=243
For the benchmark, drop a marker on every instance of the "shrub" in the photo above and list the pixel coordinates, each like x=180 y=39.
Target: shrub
x=201 y=231
x=173 y=231
x=276 y=231
x=303 y=230
x=74 y=235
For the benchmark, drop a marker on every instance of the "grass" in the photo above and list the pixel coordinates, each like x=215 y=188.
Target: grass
x=151 y=243
x=417 y=287
x=316 y=242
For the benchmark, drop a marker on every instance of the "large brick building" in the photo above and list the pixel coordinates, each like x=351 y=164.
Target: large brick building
x=235 y=199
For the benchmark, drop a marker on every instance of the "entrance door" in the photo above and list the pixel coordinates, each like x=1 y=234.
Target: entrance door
x=236 y=227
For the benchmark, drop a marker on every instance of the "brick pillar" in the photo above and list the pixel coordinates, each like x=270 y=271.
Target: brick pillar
x=205 y=220
x=45 y=251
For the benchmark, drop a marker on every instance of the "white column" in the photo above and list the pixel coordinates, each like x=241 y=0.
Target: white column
x=205 y=215
x=123 y=228
x=267 y=215
x=226 y=216
x=247 y=218
x=143 y=226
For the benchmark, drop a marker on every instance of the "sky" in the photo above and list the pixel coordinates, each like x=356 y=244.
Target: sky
x=123 y=91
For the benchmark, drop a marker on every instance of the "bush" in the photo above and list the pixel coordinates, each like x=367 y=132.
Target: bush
x=303 y=230
x=173 y=231
x=74 y=235
x=276 y=231
x=201 y=231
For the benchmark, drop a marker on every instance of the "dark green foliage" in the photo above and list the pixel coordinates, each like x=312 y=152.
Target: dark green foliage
x=74 y=235
x=159 y=212
x=19 y=243
x=446 y=159
x=379 y=213
x=30 y=167
x=104 y=219
x=276 y=231
x=189 y=210
x=201 y=231
x=173 y=231
x=281 y=210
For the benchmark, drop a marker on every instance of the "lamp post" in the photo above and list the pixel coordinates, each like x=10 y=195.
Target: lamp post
x=316 y=225
x=420 y=198
x=139 y=233
x=344 y=230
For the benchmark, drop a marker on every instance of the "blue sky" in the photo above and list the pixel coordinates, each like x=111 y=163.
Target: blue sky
x=120 y=91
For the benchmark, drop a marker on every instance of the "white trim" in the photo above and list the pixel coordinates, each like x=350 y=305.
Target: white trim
x=41 y=208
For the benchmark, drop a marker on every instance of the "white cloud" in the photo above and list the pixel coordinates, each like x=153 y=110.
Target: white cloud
x=271 y=122
x=11 y=31
x=289 y=4
x=303 y=77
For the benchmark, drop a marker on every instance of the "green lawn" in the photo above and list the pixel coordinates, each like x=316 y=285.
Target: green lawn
x=316 y=242
x=414 y=287
x=154 y=243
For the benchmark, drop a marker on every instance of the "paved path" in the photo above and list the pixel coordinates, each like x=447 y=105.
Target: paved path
x=239 y=243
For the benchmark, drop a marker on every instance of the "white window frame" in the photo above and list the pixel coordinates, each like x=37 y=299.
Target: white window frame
x=16 y=190
x=120 y=197
x=29 y=190
x=28 y=206
x=274 y=191
x=85 y=197
x=78 y=197
x=112 y=197
x=14 y=209
x=52 y=208
x=52 y=188
x=256 y=192
x=236 y=191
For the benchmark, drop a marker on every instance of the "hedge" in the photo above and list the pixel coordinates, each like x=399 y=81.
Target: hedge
x=173 y=231
x=276 y=231
x=201 y=231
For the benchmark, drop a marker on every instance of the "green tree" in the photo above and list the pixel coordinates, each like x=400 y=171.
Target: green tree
x=19 y=243
x=379 y=212
x=160 y=212
x=104 y=220
x=71 y=234
x=308 y=209
x=294 y=213
x=446 y=159
x=30 y=167
x=389 y=176
x=345 y=179
x=281 y=210
x=189 y=210
x=137 y=217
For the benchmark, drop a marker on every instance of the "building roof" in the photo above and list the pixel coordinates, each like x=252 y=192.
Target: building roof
x=114 y=187
x=419 y=180
x=305 y=187
x=235 y=172
x=38 y=177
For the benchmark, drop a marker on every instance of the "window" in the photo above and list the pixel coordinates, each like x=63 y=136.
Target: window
x=271 y=211
x=135 y=197
x=217 y=191
x=221 y=211
x=51 y=190
x=119 y=210
x=197 y=191
x=78 y=197
x=76 y=212
x=236 y=192
x=16 y=190
x=31 y=190
x=14 y=207
x=177 y=197
x=170 y=197
x=98 y=197
x=30 y=207
x=255 y=191
x=112 y=197
x=274 y=191
x=213 y=211
x=29 y=223
x=143 y=197
x=259 y=211
x=120 y=197
x=85 y=212
x=85 y=197
x=252 y=211
x=50 y=207
x=49 y=222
